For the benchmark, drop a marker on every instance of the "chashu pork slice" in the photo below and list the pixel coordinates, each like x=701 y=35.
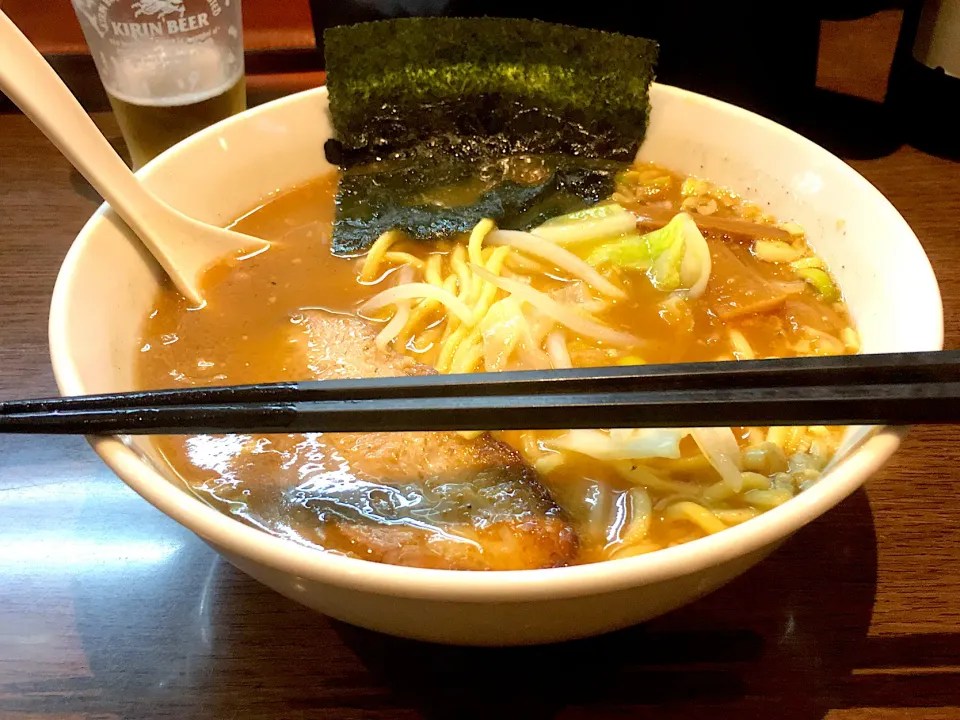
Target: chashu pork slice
x=425 y=499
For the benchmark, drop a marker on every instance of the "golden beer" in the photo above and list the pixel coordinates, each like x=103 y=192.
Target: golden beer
x=170 y=67
x=150 y=126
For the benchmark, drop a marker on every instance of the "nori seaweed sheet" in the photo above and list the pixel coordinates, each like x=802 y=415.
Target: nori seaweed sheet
x=422 y=104
x=371 y=203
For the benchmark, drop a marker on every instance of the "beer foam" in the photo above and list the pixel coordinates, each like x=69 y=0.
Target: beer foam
x=168 y=73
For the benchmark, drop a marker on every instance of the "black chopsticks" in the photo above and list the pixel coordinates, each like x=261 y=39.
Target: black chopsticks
x=890 y=389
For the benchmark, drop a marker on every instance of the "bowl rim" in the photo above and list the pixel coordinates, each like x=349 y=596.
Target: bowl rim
x=310 y=564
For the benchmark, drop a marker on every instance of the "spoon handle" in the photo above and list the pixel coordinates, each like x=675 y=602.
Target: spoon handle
x=29 y=81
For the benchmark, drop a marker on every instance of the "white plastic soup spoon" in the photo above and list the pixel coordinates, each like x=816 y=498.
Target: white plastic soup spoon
x=184 y=247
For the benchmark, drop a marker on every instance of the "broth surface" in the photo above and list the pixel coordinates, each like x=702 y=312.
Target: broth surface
x=247 y=334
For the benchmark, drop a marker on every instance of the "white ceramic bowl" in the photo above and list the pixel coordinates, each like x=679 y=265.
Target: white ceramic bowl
x=107 y=284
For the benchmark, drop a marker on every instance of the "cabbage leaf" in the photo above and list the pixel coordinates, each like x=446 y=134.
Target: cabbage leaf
x=675 y=257
x=596 y=223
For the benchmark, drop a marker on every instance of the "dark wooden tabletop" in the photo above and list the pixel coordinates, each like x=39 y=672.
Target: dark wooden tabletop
x=110 y=610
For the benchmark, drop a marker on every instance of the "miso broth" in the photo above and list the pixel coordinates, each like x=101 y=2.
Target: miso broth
x=508 y=500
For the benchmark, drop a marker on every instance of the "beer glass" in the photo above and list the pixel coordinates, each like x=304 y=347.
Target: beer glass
x=170 y=67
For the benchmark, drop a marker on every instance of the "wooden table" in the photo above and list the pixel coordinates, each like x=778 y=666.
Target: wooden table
x=108 y=609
